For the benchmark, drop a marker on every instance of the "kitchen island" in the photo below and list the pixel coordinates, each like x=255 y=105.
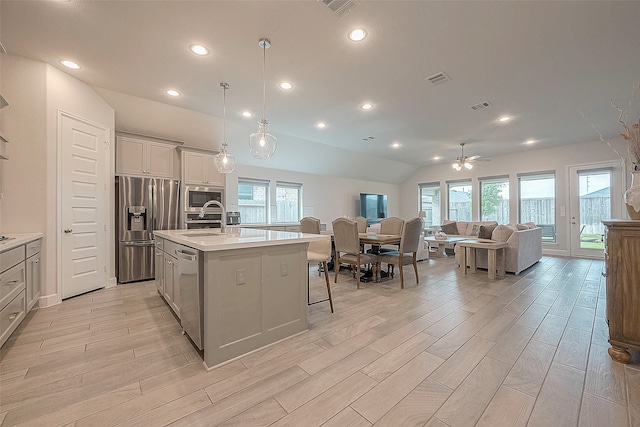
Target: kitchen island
x=254 y=286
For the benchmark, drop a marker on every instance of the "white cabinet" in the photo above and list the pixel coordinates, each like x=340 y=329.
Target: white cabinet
x=33 y=273
x=159 y=266
x=198 y=168
x=171 y=289
x=144 y=157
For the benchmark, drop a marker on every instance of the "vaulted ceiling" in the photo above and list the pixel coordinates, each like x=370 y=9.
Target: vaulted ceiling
x=554 y=67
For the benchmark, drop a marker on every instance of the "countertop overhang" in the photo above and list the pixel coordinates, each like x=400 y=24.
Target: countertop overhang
x=236 y=238
x=18 y=239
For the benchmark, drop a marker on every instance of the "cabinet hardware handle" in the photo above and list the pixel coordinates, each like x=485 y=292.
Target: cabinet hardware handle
x=37 y=261
x=13 y=315
x=13 y=282
x=68 y=230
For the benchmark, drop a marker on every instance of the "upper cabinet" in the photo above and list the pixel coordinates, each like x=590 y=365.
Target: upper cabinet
x=145 y=157
x=198 y=168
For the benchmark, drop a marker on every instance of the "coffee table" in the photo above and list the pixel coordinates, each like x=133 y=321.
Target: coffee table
x=440 y=244
x=495 y=255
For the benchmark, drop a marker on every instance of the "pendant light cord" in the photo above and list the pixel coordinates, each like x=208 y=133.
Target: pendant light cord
x=224 y=115
x=264 y=78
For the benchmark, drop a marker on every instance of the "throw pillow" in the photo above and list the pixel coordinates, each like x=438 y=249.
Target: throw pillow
x=486 y=231
x=530 y=224
x=522 y=226
x=449 y=229
x=502 y=233
x=475 y=230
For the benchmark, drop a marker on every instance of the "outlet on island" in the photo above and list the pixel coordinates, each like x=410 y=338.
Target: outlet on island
x=240 y=279
x=284 y=269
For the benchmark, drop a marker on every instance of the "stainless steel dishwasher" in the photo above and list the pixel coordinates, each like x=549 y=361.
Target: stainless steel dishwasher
x=191 y=288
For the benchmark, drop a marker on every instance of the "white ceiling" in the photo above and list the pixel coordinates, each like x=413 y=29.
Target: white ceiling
x=541 y=62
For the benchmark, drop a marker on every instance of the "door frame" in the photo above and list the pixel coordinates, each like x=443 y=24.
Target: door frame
x=573 y=202
x=108 y=218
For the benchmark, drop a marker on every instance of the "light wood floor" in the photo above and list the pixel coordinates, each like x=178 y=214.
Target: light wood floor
x=451 y=351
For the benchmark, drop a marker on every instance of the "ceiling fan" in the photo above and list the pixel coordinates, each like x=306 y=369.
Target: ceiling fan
x=464 y=161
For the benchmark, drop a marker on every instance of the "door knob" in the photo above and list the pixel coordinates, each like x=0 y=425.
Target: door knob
x=68 y=230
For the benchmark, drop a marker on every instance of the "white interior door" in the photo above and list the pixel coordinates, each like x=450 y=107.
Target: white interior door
x=84 y=201
x=593 y=194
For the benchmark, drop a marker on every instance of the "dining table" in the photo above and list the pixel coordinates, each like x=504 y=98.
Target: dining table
x=373 y=239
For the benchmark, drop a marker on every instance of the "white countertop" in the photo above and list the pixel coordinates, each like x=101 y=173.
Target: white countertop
x=235 y=238
x=18 y=239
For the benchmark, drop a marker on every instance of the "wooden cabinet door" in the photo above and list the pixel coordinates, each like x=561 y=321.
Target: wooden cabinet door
x=160 y=159
x=130 y=156
x=193 y=165
x=213 y=177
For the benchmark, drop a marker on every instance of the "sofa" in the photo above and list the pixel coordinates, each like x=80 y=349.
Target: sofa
x=524 y=242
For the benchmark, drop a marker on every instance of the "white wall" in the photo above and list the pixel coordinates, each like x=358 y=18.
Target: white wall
x=327 y=197
x=68 y=94
x=556 y=159
x=30 y=202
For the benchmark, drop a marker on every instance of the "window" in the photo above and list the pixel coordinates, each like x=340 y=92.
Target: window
x=430 y=203
x=494 y=199
x=459 y=200
x=288 y=201
x=537 y=199
x=253 y=200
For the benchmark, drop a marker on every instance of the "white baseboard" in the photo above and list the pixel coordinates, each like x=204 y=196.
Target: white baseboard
x=555 y=252
x=111 y=282
x=48 y=301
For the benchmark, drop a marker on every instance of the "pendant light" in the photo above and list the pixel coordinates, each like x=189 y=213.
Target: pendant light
x=262 y=144
x=224 y=161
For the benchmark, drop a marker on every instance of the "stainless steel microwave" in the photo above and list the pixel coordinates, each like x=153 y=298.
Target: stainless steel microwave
x=196 y=197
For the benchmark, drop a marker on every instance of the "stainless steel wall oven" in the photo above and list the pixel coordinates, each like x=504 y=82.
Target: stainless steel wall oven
x=193 y=200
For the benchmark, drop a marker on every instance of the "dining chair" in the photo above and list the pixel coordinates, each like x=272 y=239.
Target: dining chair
x=347 y=243
x=362 y=224
x=391 y=225
x=407 y=254
x=319 y=251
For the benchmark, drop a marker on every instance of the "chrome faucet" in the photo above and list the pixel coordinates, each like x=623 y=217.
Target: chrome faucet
x=223 y=218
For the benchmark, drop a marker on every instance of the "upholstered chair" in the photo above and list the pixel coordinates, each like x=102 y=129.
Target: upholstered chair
x=347 y=247
x=391 y=225
x=362 y=224
x=319 y=252
x=407 y=254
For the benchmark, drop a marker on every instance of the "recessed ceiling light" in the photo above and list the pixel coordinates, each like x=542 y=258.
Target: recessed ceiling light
x=321 y=125
x=436 y=157
x=531 y=141
x=173 y=92
x=286 y=85
x=366 y=106
x=357 y=35
x=198 y=49
x=504 y=119
x=246 y=114
x=395 y=145
x=70 y=64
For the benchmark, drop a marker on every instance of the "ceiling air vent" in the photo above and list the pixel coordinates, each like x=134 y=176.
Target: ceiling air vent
x=479 y=106
x=340 y=7
x=439 y=78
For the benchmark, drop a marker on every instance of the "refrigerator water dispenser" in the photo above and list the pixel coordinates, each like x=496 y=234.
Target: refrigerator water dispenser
x=136 y=218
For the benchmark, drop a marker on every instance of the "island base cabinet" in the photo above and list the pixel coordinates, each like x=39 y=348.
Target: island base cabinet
x=252 y=298
x=622 y=272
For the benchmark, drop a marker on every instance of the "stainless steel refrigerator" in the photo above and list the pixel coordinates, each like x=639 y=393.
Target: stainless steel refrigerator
x=142 y=206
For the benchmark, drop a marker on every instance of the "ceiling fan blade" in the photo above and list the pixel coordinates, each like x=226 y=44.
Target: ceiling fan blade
x=472 y=158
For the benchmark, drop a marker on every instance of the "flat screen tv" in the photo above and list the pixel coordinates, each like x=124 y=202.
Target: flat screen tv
x=373 y=207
